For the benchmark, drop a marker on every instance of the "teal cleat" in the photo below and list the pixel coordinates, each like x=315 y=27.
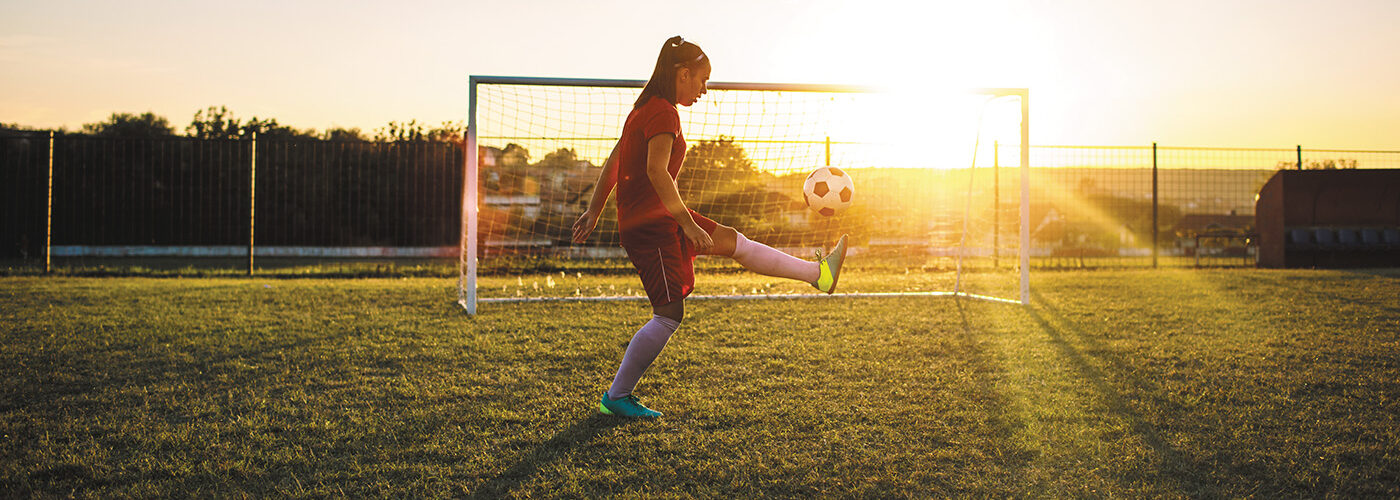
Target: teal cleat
x=831 y=267
x=628 y=407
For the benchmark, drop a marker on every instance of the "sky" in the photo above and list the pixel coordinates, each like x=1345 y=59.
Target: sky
x=1220 y=73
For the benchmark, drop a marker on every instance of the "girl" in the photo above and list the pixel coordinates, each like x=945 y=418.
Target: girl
x=661 y=236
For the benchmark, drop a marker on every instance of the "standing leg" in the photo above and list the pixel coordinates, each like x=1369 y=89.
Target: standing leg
x=668 y=275
x=646 y=344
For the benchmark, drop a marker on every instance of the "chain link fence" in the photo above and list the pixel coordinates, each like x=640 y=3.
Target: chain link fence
x=354 y=208
x=181 y=205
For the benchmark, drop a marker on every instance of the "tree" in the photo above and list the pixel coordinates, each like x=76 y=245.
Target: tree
x=715 y=167
x=515 y=156
x=1338 y=164
x=395 y=131
x=25 y=129
x=565 y=158
x=214 y=123
x=413 y=131
x=219 y=123
x=344 y=134
x=131 y=126
x=719 y=180
x=452 y=132
x=270 y=129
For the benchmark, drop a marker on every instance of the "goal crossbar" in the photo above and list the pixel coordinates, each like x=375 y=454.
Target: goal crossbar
x=763 y=86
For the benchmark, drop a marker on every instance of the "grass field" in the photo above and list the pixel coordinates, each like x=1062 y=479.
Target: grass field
x=1128 y=383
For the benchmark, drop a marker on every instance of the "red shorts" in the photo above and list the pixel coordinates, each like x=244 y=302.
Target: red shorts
x=667 y=268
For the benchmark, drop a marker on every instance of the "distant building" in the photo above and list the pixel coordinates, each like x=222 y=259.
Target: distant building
x=525 y=205
x=1192 y=224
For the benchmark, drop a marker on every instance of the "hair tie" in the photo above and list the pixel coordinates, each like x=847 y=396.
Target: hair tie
x=692 y=61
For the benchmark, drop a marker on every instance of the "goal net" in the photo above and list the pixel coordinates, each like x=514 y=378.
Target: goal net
x=940 y=205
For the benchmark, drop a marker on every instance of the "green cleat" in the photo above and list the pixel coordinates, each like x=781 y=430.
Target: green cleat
x=629 y=407
x=831 y=267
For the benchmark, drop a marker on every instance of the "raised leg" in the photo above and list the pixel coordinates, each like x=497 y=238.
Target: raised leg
x=770 y=261
x=725 y=238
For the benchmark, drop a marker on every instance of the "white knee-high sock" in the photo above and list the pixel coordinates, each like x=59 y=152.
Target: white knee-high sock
x=770 y=261
x=641 y=352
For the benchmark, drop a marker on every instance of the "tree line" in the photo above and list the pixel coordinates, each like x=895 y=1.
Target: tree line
x=218 y=122
x=399 y=185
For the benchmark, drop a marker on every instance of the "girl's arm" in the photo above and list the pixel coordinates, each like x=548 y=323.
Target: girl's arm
x=607 y=180
x=658 y=157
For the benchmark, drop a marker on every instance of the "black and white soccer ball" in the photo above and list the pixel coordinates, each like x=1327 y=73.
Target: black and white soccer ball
x=828 y=190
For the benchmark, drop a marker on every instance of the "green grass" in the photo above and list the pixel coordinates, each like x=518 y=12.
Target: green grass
x=1125 y=383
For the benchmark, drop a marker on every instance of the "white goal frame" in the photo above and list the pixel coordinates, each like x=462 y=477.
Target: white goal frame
x=467 y=263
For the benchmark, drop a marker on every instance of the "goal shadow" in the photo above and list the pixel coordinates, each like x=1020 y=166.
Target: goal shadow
x=1178 y=470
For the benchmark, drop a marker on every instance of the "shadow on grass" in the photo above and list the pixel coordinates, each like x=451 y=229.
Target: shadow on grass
x=77 y=394
x=91 y=372
x=1177 y=470
x=1382 y=303
x=560 y=445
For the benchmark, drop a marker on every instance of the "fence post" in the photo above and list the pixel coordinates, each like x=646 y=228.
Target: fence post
x=48 y=214
x=1155 y=229
x=828 y=151
x=1300 y=157
x=252 y=200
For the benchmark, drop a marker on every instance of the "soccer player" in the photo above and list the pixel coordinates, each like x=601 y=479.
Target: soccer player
x=661 y=236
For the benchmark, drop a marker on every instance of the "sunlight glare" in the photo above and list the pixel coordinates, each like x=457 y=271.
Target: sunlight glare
x=928 y=128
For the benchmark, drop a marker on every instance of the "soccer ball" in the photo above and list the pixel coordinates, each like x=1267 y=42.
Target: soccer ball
x=828 y=190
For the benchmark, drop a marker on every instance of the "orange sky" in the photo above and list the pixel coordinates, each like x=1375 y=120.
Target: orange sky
x=1190 y=73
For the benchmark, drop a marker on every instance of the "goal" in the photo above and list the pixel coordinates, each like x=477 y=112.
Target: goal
x=941 y=205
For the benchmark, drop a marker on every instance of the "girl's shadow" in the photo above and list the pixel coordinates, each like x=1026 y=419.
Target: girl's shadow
x=563 y=443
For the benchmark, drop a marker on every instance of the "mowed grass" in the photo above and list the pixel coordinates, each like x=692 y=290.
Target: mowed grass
x=1179 y=383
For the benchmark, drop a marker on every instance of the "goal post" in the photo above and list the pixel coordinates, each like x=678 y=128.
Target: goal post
x=930 y=216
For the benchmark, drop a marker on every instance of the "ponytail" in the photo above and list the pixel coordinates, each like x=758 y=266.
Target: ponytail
x=675 y=54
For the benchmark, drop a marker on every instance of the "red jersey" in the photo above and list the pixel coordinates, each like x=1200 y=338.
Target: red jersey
x=641 y=217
